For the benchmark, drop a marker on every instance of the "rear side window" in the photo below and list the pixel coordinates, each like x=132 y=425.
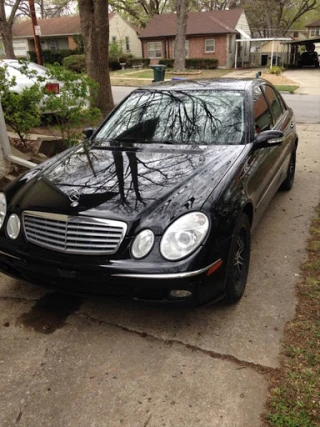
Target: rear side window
x=262 y=116
x=276 y=107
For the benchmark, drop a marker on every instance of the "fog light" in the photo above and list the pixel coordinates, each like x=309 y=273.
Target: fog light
x=179 y=293
x=13 y=226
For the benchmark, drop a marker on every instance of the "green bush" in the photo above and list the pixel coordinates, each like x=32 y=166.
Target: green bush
x=53 y=56
x=21 y=110
x=194 y=63
x=276 y=70
x=75 y=63
x=137 y=61
x=129 y=60
x=71 y=110
x=202 y=63
x=167 y=62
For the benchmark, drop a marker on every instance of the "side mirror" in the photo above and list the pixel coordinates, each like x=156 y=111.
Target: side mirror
x=268 y=138
x=88 y=132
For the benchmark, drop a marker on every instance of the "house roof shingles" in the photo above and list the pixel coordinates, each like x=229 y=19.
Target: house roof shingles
x=213 y=22
x=62 y=26
x=314 y=24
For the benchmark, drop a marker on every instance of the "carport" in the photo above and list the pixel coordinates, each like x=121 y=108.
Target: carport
x=291 y=55
x=295 y=44
x=257 y=40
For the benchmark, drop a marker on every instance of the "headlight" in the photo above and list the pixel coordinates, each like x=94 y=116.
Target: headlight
x=142 y=244
x=184 y=236
x=3 y=208
x=13 y=226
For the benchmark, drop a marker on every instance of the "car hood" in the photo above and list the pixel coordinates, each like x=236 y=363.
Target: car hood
x=142 y=185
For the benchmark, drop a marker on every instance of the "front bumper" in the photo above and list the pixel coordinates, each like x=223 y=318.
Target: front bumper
x=116 y=279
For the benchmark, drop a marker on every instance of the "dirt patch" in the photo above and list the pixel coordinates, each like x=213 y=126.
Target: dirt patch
x=294 y=394
x=278 y=80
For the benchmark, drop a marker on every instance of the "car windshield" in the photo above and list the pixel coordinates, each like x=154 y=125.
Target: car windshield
x=209 y=117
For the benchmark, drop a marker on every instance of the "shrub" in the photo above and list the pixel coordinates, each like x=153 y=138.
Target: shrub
x=75 y=63
x=137 y=61
x=276 y=70
x=167 y=62
x=194 y=63
x=53 y=56
x=71 y=110
x=202 y=63
x=21 y=110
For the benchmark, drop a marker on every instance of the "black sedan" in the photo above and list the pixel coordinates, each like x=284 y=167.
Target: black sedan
x=159 y=202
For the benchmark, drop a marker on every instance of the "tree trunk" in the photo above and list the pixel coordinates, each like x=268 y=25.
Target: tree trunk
x=7 y=42
x=6 y=29
x=95 y=29
x=180 y=41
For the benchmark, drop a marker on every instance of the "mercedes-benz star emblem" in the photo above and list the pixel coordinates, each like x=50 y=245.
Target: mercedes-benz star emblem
x=74 y=197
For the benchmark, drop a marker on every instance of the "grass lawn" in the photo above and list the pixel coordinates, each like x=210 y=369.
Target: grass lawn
x=145 y=76
x=287 y=88
x=295 y=393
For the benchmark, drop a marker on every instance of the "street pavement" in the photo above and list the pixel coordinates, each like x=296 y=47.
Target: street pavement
x=103 y=362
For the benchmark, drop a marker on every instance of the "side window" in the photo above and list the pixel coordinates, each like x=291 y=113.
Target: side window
x=261 y=112
x=274 y=103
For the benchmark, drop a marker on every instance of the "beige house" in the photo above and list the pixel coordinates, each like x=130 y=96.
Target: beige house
x=58 y=33
x=261 y=53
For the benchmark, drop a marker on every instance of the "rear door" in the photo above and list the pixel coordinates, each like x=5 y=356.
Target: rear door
x=270 y=113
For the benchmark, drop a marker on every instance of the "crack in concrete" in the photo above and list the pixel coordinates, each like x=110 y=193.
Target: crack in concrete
x=18 y=299
x=261 y=369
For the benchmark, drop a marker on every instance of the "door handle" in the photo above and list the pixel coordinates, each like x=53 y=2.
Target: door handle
x=291 y=125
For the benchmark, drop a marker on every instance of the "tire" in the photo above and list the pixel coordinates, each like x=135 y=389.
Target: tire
x=288 y=182
x=238 y=260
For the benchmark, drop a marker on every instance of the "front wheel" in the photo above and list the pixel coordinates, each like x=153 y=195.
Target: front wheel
x=238 y=260
x=288 y=182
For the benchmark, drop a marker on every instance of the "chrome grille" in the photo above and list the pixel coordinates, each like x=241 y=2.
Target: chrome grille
x=73 y=234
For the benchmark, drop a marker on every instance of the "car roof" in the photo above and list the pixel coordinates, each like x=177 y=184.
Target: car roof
x=242 y=84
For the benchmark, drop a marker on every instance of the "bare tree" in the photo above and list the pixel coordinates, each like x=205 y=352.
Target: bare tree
x=6 y=27
x=95 y=30
x=205 y=5
x=270 y=18
x=47 y=8
x=141 y=11
x=180 y=41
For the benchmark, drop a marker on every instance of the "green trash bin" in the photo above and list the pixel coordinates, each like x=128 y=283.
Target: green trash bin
x=158 y=72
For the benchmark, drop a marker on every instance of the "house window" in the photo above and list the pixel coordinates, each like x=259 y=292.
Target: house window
x=210 y=45
x=186 y=47
x=53 y=45
x=127 y=44
x=315 y=31
x=154 y=49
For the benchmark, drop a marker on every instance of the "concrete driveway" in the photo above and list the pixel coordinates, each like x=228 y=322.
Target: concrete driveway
x=308 y=79
x=101 y=362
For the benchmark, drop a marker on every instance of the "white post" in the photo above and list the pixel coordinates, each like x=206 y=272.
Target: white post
x=5 y=147
x=271 y=54
x=236 y=55
x=242 y=54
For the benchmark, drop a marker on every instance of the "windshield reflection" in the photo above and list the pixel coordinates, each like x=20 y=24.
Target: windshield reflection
x=177 y=117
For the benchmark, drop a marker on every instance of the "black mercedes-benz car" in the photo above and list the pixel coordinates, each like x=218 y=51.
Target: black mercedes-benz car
x=159 y=202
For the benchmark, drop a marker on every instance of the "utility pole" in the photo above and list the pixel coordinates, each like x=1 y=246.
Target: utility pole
x=35 y=31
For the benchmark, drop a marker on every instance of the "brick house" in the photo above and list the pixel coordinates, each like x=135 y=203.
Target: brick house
x=209 y=35
x=58 y=33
